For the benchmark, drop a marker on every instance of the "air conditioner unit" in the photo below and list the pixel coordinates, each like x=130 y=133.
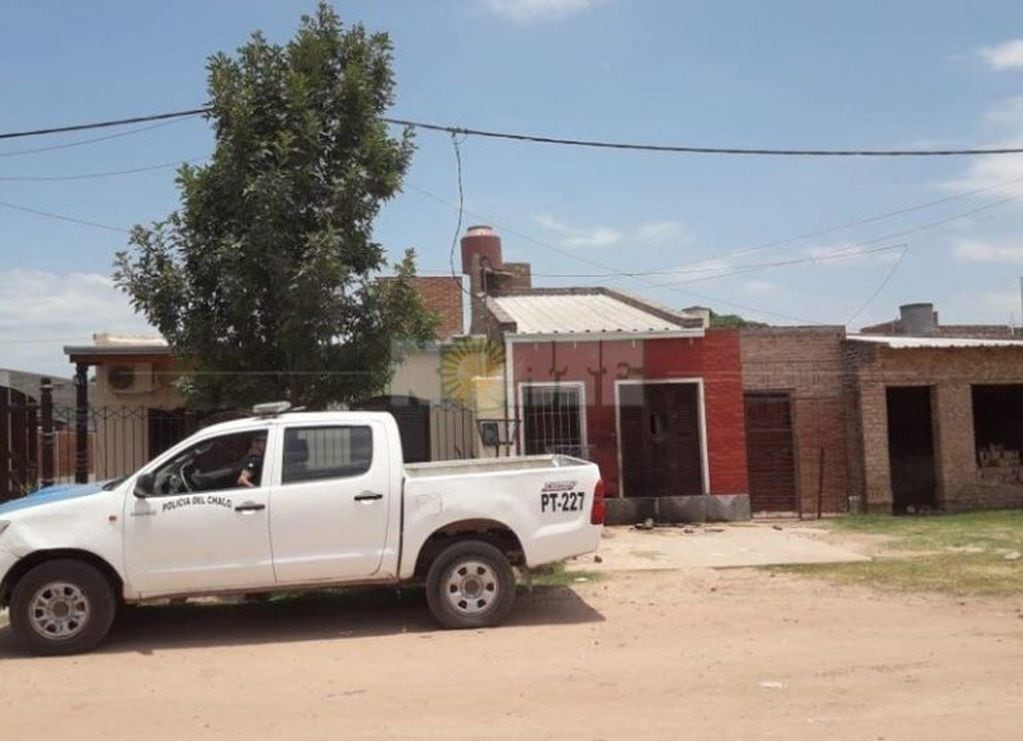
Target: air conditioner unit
x=130 y=378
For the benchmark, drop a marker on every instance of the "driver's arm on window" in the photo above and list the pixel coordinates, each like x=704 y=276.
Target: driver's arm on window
x=245 y=478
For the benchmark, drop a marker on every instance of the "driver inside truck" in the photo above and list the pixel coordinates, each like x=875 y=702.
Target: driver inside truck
x=251 y=467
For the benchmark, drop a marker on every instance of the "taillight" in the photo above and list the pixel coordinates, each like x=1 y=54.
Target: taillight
x=598 y=507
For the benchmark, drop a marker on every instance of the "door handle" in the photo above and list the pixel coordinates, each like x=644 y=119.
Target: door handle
x=249 y=507
x=368 y=496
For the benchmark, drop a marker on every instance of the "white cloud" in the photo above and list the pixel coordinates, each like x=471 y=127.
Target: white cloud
x=523 y=11
x=1001 y=175
x=1003 y=56
x=845 y=255
x=760 y=286
x=42 y=311
x=655 y=232
x=976 y=251
x=576 y=236
x=645 y=234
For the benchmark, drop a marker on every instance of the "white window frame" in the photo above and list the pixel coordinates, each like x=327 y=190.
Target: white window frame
x=520 y=397
x=701 y=420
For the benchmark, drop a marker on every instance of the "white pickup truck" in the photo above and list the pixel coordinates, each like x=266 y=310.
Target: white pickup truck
x=324 y=500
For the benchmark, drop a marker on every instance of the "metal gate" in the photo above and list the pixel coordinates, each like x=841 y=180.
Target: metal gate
x=660 y=443
x=19 y=443
x=770 y=452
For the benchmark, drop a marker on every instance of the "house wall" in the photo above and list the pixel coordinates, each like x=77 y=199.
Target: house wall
x=598 y=364
x=122 y=419
x=950 y=373
x=807 y=364
x=418 y=375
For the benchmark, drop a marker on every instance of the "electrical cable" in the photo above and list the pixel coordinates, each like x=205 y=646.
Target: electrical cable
x=880 y=287
x=591 y=143
x=62 y=217
x=94 y=175
x=83 y=142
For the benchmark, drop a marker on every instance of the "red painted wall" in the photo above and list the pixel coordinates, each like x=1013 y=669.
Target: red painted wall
x=598 y=364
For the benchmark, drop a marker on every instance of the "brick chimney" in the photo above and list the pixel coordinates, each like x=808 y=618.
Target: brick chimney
x=489 y=274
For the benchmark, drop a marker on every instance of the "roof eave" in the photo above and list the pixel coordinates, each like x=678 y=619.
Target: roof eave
x=695 y=332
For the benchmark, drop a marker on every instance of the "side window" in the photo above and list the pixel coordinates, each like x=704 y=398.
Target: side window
x=215 y=463
x=316 y=453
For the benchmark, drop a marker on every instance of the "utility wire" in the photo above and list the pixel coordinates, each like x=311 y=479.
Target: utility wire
x=62 y=217
x=83 y=142
x=106 y=124
x=545 y=139
x=94 y=175
x=684 y=149
x=884 y=282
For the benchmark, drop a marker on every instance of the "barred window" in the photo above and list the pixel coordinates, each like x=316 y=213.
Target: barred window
x=552 y=419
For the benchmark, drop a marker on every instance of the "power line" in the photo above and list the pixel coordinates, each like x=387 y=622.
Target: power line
x=685 y=149
x=106 y=124
x=563 y=141
x=62 y=217
x=83 y=142
x=93 y=175
x=884 y=282
x=594 y=263
x=883 y=238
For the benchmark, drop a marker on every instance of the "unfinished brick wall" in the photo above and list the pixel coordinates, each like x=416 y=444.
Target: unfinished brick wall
x=807 y=363
x=950 y=373
x=443 y=296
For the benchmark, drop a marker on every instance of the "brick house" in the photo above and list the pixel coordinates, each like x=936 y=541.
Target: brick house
x=908 y=414
x=940 y=414
x=650 y=394
x=797 y=408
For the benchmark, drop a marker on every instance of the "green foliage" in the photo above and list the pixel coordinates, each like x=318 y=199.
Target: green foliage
x=263 y=281
x=731 y=320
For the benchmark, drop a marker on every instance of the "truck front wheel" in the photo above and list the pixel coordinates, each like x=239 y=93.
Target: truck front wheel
x=470 y=585
x=62 y=607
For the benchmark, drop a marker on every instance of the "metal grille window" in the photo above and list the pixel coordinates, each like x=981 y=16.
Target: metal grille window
x=552 y=418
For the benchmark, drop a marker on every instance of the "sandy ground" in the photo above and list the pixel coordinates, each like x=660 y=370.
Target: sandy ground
x=724 y=546
x=688 y=653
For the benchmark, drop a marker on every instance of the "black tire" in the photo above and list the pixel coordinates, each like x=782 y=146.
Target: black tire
x=470 y=585
x=90 y=618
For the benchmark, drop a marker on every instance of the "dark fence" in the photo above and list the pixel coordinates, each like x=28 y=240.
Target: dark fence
x=19 y=444
x=42 y=445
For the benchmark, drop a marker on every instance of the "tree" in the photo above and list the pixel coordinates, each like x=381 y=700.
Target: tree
x=732 y=320
x=263 y=281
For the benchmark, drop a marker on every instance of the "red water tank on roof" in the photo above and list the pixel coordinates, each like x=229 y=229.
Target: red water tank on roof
x=483 y=241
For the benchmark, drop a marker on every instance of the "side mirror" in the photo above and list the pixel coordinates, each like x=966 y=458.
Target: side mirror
x=144 y=485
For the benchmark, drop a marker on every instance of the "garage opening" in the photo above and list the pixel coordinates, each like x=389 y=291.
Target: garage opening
x=770 y=452
x=998 y=425
x=911 y=448
x=660 y=440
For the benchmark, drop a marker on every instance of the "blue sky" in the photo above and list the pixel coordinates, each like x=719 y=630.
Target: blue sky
x=749 y=73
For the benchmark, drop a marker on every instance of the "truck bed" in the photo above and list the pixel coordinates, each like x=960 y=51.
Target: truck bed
x=491 y=465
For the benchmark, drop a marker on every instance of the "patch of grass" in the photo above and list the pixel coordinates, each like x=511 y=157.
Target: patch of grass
x=556 y=575
x=958 y=554
x=989 y=530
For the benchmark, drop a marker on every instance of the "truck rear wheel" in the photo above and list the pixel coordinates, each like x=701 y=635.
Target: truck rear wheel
x=62 y=607
x=470 y=585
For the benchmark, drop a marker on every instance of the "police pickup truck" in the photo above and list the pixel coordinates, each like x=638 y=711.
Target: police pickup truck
x=290 y=501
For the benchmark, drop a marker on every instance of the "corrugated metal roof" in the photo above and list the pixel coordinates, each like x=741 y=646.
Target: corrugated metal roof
x=581 y=313
x=899 y=342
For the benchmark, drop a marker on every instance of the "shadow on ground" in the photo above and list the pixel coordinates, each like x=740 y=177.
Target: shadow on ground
x=315 y=616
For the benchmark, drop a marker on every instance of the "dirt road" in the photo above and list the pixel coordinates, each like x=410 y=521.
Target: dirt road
x=669 y=654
